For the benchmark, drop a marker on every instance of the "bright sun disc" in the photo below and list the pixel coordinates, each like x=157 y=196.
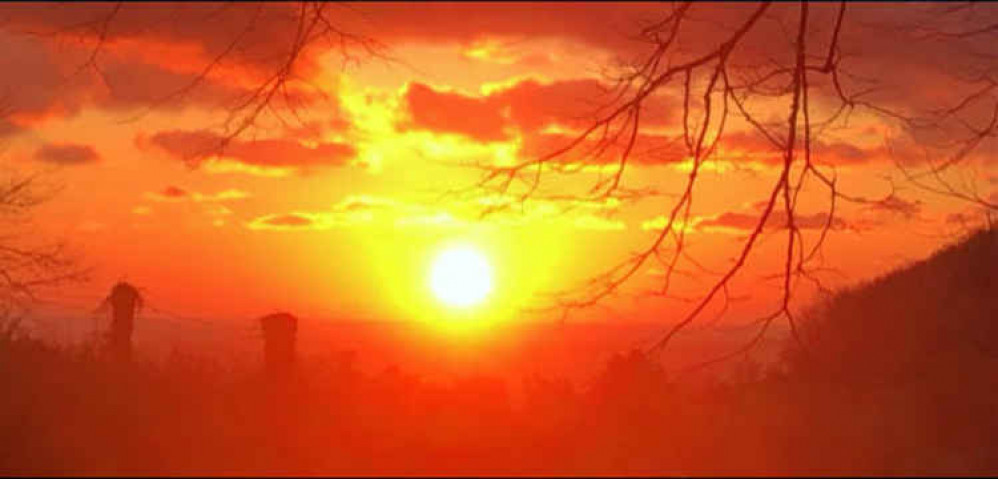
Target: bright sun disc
x=461 y=277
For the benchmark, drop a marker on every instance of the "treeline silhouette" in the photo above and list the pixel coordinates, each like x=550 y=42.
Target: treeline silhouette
x=896 y=376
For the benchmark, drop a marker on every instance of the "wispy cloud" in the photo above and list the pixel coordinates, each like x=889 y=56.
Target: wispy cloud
x=176 y=194
x=67 y=154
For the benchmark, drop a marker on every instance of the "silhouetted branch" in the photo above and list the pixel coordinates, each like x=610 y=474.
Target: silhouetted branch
x=275 y=85
x=712 y=88
x=28 y=265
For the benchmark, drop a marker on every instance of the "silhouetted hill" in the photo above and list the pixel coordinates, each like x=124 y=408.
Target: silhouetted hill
x=930 y=320
x=898 y=372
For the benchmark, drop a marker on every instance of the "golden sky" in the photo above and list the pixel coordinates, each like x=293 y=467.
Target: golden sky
x=333 y=204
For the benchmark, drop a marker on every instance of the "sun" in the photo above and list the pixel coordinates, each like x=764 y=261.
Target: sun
x=461 y=277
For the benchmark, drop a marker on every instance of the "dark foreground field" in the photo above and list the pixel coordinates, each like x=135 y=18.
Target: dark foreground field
x=897 y=377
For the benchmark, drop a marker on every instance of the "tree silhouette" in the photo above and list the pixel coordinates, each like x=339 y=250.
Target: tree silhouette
x=28 y=263
x=770 y=57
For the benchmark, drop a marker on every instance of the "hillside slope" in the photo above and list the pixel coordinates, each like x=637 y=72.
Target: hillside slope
x=920 y=320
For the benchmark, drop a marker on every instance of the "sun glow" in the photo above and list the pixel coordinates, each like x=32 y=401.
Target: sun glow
x=461 y=277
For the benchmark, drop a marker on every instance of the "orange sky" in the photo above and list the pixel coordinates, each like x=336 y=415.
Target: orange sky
x=338 y=212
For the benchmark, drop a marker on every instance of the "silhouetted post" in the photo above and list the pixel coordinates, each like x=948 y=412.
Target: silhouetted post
x=279 y=330
x=124 y=301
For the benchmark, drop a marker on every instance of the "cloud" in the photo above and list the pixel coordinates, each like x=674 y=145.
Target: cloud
x=532 y=105
x=648 y=149
x=913 y=67
x=67 y=154
x=254 y=37
x=659 y=222
x=752 y=146
x=446 y=112
x=259 y=156
x=507 y=211
x=313 y=130
x=153 y=49
x=35 y=80
x=594 y=24
x=130 y=83
x=738 y=222
x=170 y=193
x=149 y=56
x=212 y=202
x=500 y=51
x=309 y=221
x=352 y=210
x=914 y=74
x=526 y=106
x=358 y=203
x=174 y=194
x=841 y=153
x=289 y=222
x=543 y=116
x=44 y=81
x=908 y=209
x=226 y=166
x=226 y=195
x=777 y=219
x=294 y=219
x=356 y=210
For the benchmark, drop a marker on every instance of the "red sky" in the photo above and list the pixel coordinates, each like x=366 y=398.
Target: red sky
x=334 y=209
